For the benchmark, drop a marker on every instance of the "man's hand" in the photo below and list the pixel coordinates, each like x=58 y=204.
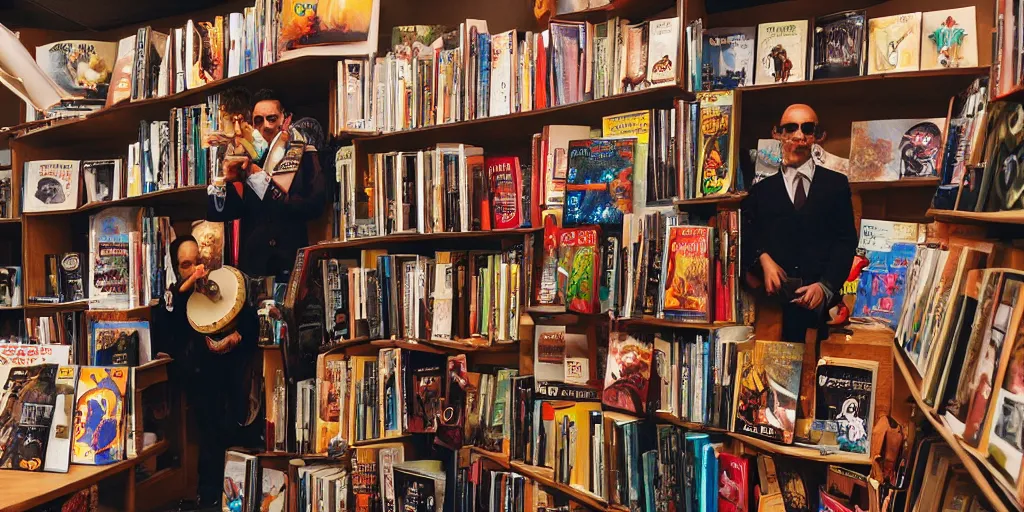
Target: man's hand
x=810 y=296
x=225 y=345
x=235 y=167
x=773 y=274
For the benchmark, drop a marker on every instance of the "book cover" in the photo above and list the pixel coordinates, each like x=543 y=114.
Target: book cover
x=728 y=58
x=58 y=448
x=892 y=149
x=883 y=283
x=51 y=185
x=555 y=166
x=210 y=238
x=628 y=373
x=579 y=265
x=844 y=401
x=894 y=43
x=506 y=184
x=117 y=343
x=781 y=52
x=949 y=39
x=716 y=152
x=26 y=414
x=238 y=480
x=102 y=180
x=324 y=27
x=388 y=456
x=120 y=87
x=663 y=51
x=109 y=249
x=733 y=481
x=599 y=184
x=419 y=486
x=686 y=272
x=99 y=425
x=768 y=389
x=70 y=275
x=81 y=68
x=840 y=40
x=424 y=389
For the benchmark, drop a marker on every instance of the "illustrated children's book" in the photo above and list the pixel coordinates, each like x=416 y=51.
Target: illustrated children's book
x=579 y=265
x=628 y=374
x=99 y=428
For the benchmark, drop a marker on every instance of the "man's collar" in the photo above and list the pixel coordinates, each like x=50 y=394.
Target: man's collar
x=807 y=168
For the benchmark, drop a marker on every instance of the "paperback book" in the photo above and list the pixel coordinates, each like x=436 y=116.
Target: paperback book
x=781 y=52
x=894 y=43
x=51 y=185
x=768 y=389
x=844 y=400
x=599 y=184
x=728 y=55
x=628 y=373
x=99 y=428
x=840 y=41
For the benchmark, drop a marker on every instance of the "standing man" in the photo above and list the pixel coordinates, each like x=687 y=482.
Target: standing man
x=799 y=237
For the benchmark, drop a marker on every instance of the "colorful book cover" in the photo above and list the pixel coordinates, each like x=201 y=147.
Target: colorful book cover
x=109 y=250
x=599 y=184
x=844 y=400
x=237 y=484
x=116 y=343
x=892 y=149
x=781 y=52
x=883 y=284
x=424 y=390
x=51 y=185
x=728 y=55
x=321 y=22
x=687 y=273
x=273 y=489
x=26 y=413
x=99 y=425
x=949 y=39
x=894 y=43
x=81 y=68
x=768 y=389
x=22 y=354
x=839 y=43
x=715 y=156
x=579 y=264
x=733 y=481
x=506 y=191
x=628 y=373
x=58 y=449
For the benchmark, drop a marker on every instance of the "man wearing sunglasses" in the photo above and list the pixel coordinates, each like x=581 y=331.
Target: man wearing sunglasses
x=799 y=234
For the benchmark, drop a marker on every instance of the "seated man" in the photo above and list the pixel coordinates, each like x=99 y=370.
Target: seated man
x=799 y=237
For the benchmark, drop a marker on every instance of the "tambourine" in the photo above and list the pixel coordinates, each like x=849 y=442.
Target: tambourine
x=218 y=314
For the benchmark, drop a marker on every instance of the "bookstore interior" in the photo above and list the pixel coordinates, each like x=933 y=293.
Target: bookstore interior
x=512 y=256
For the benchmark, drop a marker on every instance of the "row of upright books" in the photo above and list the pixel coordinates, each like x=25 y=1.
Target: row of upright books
x=843 y=44
x=435 y=75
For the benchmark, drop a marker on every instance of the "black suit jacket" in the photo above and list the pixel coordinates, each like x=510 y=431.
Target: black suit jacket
x=815 y=243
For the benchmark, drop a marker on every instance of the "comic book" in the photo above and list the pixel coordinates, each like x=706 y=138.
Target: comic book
x=686 y=271
x=768 y=389
x=844 y=401
x=579 y=265
x=716 y=155
x=628 y=373
x=883 y=284
x=26 y=413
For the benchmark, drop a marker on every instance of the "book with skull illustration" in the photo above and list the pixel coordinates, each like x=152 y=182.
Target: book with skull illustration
x=892 y=149
x=949 y=39
x=894 y=43
x=781 y=52
x=844 y=403
x=51 y=185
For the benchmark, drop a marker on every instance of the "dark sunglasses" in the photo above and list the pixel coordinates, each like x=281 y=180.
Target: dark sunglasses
x=808 y=128
x=258 y=120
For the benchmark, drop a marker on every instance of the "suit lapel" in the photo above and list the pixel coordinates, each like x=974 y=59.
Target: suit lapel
x=780 y=187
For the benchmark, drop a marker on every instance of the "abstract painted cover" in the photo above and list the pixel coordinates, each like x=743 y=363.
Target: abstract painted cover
x=81 y=68
x=891 y=149
x=844 y=400
x=733 y=481
x=883 y=284
x=26 y=413
x=99 y=427
x=687 y=273
x=894 y=43
x=628 y=373
x=599 y=182
x=715 y=157
x=768 y=389
x=273 y=490
x=949 y=39
x=728 y=56
x=579 y=265
x=324 y=22
x=781 y=52
x=51 y=185
x=839 y=43
x=506 y=182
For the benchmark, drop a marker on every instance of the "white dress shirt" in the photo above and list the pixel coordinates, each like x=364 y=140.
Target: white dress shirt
x=804 y=172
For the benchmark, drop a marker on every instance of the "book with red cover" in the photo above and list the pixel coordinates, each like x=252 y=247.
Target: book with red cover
x=540 y=88
x=687 y=271
x=733 y=482
x=506 y=183
x=579 y=264
x=481 y=207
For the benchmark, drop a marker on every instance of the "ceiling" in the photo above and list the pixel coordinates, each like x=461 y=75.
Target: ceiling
x=76 y=15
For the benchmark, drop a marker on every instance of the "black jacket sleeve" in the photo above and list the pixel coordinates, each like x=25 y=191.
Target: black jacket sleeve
x=844 y=245
x=306 y=199
x=234 y=205
x=751 y=233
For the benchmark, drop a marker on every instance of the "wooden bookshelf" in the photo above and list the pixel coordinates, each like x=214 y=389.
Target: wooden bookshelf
x=801 y=452
x=443 y=347
x=371 y=242
x=546 y=477
x=500 y=458
x=955 y=216
x=628 y=9
x=674 y=324
x=722 y=199
x=983 y=476
x=181 y=198
x=381 y=440
x=864 y=186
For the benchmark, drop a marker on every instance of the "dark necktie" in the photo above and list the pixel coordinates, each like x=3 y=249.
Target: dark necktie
x=800 y=197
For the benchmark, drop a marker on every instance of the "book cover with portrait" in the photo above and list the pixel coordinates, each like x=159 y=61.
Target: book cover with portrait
x=51 y=185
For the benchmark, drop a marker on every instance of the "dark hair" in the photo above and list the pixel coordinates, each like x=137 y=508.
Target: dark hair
x=175 y=245
x=269 y=95
x=237 y=100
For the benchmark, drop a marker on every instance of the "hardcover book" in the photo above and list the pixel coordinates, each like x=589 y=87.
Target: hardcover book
x=599 y=185
x=716 y=153
x=728 y=58
x=894 y=43
x=506 y=184
x=51 y=185
x=949 y=39
x=99 y=426
x=781 y=52
x=579 y=265
x=424 y=390
x=733 y=482
x=892 y=149
x=102 y=180
x=81 y=68
x=26 y=414
x=840 y=41
x=844 y=402
x=768 y=389
x=628 y=373
x=687 y=273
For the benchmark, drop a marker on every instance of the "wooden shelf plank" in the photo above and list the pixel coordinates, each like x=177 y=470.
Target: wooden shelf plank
x=441 y=347
x=802 y=452
x=999 y=500
x=424 y=237
x=734 y=197
x=180 y=198
x=546 y=477
x=626 y=9
x=954 y=216
x=500 y=458
x=674 y=324
x=863 y=186
x=886 y=79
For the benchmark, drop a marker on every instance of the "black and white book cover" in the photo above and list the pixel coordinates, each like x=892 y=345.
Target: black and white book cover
x=102 y=180
x=51 y=185
x=844 y=401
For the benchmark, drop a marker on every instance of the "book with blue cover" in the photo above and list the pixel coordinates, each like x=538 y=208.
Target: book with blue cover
x=883 y=284
x=119 y=343
x=728 y=58
x=599 y=182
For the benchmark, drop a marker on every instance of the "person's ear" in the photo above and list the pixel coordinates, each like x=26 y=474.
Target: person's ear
x=776 y=132
x=287 y=123
x=820 y=135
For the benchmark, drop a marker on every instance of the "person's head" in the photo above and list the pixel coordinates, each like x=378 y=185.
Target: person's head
x=798 y=131
x=184 y=256
x=236 y=108
x=269 y=115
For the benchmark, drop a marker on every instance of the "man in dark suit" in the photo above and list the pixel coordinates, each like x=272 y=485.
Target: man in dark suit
x=799 y=237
